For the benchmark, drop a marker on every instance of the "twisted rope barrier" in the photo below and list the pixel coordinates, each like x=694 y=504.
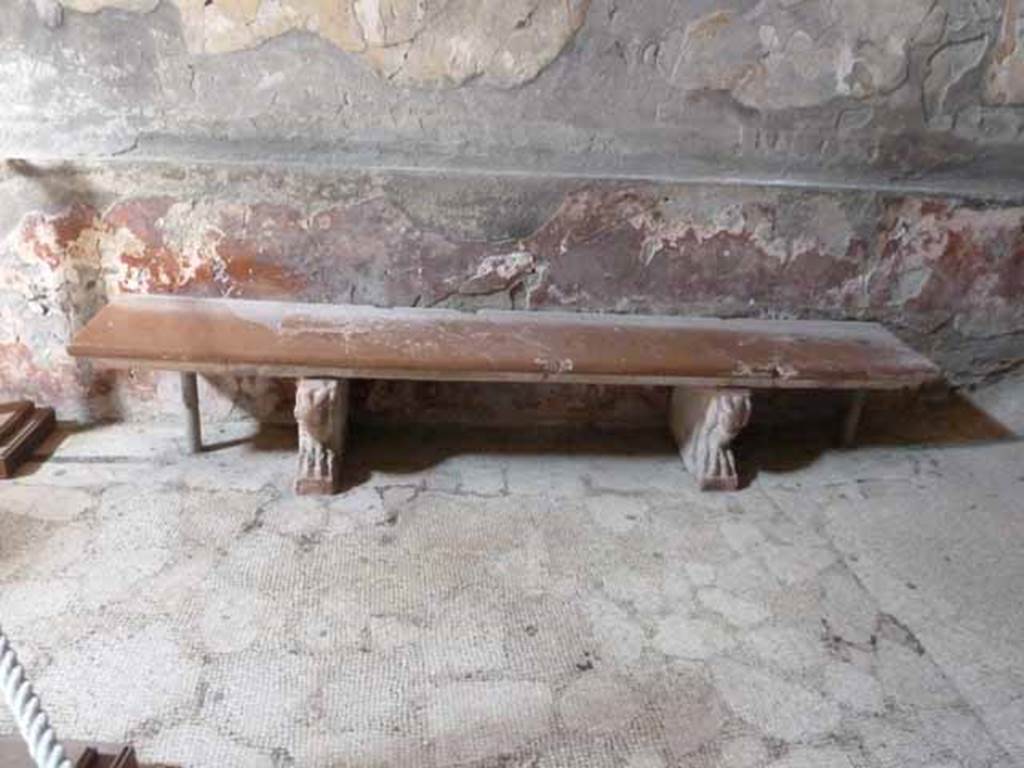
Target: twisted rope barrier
x=32 y=721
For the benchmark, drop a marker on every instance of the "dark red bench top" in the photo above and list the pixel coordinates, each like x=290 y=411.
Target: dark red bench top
x=306 y=340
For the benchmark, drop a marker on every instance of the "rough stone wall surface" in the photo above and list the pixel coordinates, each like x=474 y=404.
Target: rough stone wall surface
x=1005 y=74
x=925 y=93
x=945 y=274
x=407 y=41
x=857 y=159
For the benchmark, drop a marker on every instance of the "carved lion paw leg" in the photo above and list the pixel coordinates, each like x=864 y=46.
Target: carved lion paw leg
x=321 y=411
x=704 y=423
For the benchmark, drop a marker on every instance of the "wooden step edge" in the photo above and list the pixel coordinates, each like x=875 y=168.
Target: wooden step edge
x=81 y=754
x=19 y=446
x=12 y=416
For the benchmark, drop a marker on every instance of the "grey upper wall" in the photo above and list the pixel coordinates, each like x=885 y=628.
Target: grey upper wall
x=913 y=94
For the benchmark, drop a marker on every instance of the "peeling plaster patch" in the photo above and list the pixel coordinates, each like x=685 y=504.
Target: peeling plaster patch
x=69 y=264
x=783 y=55
x=505 y=42
x=1004 y=82
x=945 y=264
x=63 y=267
x=418 y=42
x=626 y=250
x=498 y=273
x=947 y=273
x=947 y=67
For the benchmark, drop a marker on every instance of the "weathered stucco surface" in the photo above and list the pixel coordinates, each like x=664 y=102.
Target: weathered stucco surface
x=922 y=93
x=945 y=274
x=784 y=54
x=415 y=41
x=1005 y=76
x=857 y=159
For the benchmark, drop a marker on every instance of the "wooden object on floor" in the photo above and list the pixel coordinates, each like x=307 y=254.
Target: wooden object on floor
x=107 y=756
x=328 y=342
x=23 y=427
x=13 y=754
x=12 y=416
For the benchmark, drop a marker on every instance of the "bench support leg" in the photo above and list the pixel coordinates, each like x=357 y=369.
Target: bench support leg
x=321 y=410
x=193 y=426
x=704 y=423
x=851 y=419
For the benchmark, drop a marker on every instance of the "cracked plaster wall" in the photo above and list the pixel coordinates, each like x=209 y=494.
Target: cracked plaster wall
x=506 y=42
x=944 y=273
x=537 y=154
x=926 y=93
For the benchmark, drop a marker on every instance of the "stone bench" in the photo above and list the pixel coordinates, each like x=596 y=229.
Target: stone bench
x=712 y=365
